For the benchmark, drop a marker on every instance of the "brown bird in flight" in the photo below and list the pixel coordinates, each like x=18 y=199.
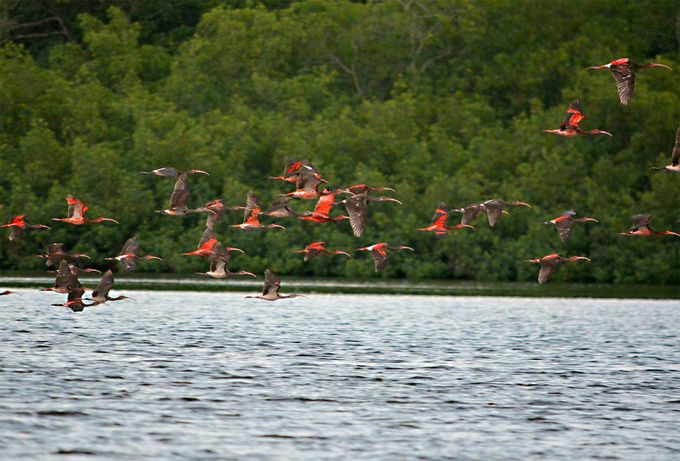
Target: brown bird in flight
x=357 y=209
x=641 y=227
x=169 y=172
x=623 y=71
x=272 y=284
x=180 y=197
x=55 y=254
x=550 y=263
x=496 y=208
x=564 y=222
x=569 y=126
x=674 y=166
x=219 y=263
x=100 y=294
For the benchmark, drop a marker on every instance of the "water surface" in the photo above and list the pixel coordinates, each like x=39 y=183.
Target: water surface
x=213 y=376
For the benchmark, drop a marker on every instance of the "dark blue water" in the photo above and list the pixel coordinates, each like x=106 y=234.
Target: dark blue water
x=214 y=376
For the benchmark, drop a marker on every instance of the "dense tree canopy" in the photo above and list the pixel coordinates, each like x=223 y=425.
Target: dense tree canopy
x=440 y=99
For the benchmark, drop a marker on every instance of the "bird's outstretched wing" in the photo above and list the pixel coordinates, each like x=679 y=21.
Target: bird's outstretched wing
x=357 y=207
x=271 y=283
x=675 y=157
x=105 y=285
x=573 y=117
x=131 y=246
x=380 y=258
x=181 y=192
x=252 y=207
x=546 y=271
x=625 y=81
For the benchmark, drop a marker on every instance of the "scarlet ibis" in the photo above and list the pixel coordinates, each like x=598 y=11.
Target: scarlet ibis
x=550 y=263
x=55 y=254
x=293 y=169
x=8 y=292
x=495 y=209
x=439 y=226
x=251 y=222
x=170 y=172
x=315 y=249
x=569 y=127
x=674 y=167
x=280 y=208
x=100 y=294
x=219 y=264
x=322 y=210
x=357 y=208
x=180 y=197
x=272 y=284
x=307 y=186
x=564 y=222
x=76 y=214
x=361 y=188
x=470 y=212
x=379 y=252
x=128 y=256
x=641 y=227
x=206 y=246
x=218 y=209
x=18 y=225
x=623 y=71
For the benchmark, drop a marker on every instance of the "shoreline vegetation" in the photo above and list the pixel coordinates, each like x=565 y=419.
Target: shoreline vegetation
x=184 y=282
x=441 y=100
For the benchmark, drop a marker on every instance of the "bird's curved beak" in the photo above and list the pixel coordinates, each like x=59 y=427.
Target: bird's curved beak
x=234 y=249
x=524 y=204
x=200 y=172
x=659 y=65
x=532 y=261
x=338 y=252
x=390 y=199
x=407 y=248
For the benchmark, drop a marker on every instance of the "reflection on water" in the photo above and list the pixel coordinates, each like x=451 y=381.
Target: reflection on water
x=213 y=376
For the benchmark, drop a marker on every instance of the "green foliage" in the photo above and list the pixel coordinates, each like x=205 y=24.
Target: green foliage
x=442 y=100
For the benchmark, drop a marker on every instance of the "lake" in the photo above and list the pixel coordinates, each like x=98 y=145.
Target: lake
x=214 y=376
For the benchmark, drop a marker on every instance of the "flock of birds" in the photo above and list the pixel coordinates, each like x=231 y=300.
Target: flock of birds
x=307 y=181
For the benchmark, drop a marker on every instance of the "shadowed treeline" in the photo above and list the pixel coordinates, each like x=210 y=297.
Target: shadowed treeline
x=441 y=100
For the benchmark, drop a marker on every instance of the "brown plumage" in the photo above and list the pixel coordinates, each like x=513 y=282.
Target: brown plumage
x=496 y=208
x=564 y=223
x=550 y=263
x=357 y=209
x=674 y=166
x=55 y=254
x=272 y=284
x=623 y=71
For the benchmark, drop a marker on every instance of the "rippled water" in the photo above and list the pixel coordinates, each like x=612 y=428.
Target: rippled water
x=215 y=376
